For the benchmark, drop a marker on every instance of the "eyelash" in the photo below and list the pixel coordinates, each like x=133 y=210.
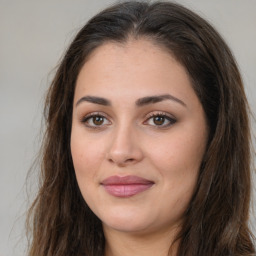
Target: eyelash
x=85 y=120
x=166 y=117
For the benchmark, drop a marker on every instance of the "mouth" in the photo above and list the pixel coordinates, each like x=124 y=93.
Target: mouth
x=126 y=186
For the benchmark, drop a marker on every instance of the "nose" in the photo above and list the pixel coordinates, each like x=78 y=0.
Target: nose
x=124 y=147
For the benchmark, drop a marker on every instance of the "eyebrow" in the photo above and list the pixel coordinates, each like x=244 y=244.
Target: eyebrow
x=154 y=99
x=140 y=102
x=95 y=100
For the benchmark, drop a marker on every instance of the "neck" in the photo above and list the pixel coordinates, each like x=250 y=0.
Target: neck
x=127 y=243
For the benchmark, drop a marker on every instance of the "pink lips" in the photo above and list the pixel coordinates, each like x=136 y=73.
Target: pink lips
x=126 y=186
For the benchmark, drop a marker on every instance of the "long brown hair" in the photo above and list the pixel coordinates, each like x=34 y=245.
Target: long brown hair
x=216 y=221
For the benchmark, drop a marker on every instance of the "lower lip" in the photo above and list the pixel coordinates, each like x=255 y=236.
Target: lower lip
x=126 y=190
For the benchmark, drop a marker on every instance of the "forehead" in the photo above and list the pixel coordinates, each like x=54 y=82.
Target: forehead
x=133 y=48
x=137 y=68
x=134 y=56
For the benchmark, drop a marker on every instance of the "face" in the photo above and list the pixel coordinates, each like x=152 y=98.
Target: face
x=138 y=137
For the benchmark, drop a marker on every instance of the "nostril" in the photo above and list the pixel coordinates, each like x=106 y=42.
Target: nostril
x=123 y=152
x=121 y=162
x=130 y=160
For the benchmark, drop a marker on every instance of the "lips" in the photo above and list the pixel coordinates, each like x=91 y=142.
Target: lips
x=126 y=186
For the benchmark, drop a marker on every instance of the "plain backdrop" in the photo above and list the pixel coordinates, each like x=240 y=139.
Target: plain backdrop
x=33 y=36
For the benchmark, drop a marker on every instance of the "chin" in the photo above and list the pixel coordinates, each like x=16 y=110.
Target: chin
x=126 y=226
x=125 y=221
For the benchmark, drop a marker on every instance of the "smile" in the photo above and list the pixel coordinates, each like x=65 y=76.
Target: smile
x=126 y=186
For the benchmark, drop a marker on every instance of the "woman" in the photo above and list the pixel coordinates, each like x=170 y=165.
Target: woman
x=147 y=142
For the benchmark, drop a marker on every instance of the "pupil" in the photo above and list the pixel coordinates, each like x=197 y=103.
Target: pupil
x=98 y=120
x=158 y=120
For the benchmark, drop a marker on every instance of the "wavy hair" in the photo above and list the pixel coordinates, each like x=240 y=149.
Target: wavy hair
x=216 y=220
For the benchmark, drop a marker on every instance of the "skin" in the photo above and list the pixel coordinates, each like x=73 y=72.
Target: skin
x=127 y=140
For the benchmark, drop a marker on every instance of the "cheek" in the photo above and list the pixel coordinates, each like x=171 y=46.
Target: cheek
x=178 y=159
x=86 y=157
x=179 y=153
x=178 y=164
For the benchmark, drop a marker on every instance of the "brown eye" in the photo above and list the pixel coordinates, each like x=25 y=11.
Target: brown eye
x=98 y=120
x=95 y=121
x=159 y=120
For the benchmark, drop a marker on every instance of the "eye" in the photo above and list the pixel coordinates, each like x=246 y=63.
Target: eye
x=160 y=120
x=95 y=120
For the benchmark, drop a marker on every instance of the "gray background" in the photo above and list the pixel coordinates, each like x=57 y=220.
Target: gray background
x=33 y=36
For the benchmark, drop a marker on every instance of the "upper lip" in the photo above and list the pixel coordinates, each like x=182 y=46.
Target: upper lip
x=125 y=180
